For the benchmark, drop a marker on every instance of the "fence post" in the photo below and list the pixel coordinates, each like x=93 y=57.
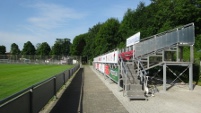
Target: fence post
x=31 y=100
x=64 y=78
x=55 y=87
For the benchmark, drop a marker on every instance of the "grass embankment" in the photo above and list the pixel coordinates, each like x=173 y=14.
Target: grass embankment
x=16 y=77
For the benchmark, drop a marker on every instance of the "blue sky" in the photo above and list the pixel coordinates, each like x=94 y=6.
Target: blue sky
x=45 y=20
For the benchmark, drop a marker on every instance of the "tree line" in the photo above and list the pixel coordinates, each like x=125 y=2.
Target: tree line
x=158 y=16
x=61 y=47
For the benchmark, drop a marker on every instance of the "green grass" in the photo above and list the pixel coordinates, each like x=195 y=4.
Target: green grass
x=199 y=82
x=16 y=77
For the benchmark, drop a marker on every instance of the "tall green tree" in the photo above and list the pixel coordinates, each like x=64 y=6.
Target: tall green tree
x=14 y=49
x=2 y=50
x=107 y=37
x=56 y=49
x=43 y=49
x=28 y=49
x=89 y=49
x=78 y=45
x=61 y=47
x=127 y=28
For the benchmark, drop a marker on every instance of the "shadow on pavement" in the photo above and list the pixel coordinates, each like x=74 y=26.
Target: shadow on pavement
x=69 y=101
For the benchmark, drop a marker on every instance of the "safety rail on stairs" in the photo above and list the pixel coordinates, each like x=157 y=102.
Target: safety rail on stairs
x=141 y=70
x=182 y=35
x=124 y=70
x=124 y=73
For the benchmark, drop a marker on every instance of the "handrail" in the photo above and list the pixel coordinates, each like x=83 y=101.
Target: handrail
x=122 y=66
x=141 y=69
x=124 y=69
x=181 y=35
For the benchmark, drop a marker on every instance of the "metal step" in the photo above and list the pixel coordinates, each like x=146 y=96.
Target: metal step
x=134 y=91
x=128 y=81
x=131 y=80
x=129 y=63
x=136 y=95
x=133 y=87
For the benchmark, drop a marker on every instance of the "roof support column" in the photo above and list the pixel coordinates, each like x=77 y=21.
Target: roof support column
x=164 y=77
x=191 y=68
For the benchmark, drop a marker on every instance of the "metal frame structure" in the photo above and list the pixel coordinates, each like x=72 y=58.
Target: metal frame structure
x=157 y=46
x=134 y=61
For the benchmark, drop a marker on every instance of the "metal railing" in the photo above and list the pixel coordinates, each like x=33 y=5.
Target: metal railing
x=181 y=35
x=34 y=98
x=124 y=70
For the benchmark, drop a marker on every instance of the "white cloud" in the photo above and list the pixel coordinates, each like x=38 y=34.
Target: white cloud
x=8 y=38
x=51 y=16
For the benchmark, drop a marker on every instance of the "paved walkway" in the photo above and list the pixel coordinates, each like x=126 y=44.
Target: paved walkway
x=97 y=98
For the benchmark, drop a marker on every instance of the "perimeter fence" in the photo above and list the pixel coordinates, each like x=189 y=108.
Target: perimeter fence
x=34 y=98
x=39 y=59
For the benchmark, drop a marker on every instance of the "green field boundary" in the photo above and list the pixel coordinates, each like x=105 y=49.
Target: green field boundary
x=17 y=77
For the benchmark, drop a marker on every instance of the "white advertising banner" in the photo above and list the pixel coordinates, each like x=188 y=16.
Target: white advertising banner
x=111 y=57
x=96 y=59
x=103 y=58
x=102 y=68
x=133 y=39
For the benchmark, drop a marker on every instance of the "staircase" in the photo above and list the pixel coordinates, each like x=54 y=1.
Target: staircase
x=132 y=83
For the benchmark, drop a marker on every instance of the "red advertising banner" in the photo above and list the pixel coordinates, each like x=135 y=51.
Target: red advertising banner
x=97 y=66
x=107 y=70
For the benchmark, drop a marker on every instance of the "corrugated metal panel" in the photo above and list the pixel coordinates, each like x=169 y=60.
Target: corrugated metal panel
x=181 y=35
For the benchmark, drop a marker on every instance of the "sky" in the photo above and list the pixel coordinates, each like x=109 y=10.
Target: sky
x=41 y=21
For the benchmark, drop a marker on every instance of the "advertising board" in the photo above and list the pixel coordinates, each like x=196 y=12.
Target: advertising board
x=111 y=57
x=133 y=39
x=107 y=71
x=114 y=74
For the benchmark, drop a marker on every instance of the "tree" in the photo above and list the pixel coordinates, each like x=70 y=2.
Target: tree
x=56 y=49
x=15 y=49
x=78 y=45
x=28 y=49
x=43 y=49
x=61 y=47
x=107 y=37
x=2 y=50
x=89 y=49
x=65 y=46
x=126 y=28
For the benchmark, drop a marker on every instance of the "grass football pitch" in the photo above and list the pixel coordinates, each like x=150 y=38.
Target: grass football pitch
x=16 y=77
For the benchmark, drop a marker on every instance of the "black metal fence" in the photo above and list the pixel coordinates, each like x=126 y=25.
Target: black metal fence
x=34 y=98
